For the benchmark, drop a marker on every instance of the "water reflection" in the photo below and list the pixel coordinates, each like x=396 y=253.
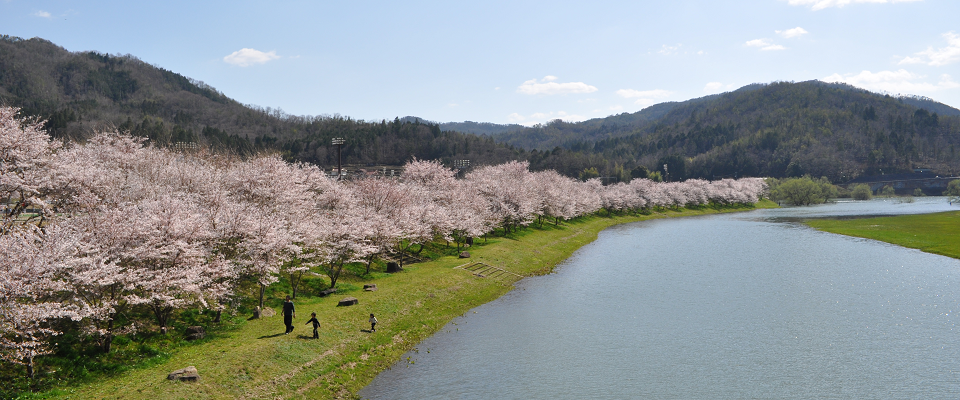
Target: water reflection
x=728 y=306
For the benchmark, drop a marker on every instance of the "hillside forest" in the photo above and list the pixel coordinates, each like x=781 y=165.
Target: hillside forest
x=780 y=129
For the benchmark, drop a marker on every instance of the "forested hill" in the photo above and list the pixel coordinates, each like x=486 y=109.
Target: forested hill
x=82 y=92
x=480 y=128
x=563 y=134
x=568 y=134
x=778 y=129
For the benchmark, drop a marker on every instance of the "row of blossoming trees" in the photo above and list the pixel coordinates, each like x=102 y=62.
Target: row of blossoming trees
x=117 y=225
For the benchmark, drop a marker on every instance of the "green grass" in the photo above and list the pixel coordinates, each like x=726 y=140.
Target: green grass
x=253 y=359
x=937 y=233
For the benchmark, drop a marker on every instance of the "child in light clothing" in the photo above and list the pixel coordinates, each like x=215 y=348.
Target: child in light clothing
x=316 y=325
x=373 y=323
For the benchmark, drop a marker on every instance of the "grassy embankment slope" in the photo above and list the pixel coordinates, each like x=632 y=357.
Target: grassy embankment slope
x=255 y=360
x=937 y=233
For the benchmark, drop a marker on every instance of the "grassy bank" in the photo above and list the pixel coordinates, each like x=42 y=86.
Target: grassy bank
x=937 y=233
x=254 y=359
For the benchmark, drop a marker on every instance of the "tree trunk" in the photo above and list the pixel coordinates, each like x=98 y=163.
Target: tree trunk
x=163 y=316
x=402 y=252
x=263 y=289
x=30 y=367
x=295 y=282
x=216 y=319
x=369 y=261
x=108 y=338
x=335 y=274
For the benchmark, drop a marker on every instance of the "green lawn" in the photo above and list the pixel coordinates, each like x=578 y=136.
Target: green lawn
x=937 y=233
x=255 y=360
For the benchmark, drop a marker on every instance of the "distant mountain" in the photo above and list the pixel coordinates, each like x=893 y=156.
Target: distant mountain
x=778 y=129
x=575 y=135
x=83 y=92
x=931 y=105
x=480 y=128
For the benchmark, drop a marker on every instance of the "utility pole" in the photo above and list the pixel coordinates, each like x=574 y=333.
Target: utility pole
x=667 y=173
x=338 y=141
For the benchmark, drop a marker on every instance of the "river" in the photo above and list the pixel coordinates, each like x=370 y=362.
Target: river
x=745 y=305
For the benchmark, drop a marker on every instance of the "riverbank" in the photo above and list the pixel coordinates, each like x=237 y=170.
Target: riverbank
x=256 y=360
x=937 y=233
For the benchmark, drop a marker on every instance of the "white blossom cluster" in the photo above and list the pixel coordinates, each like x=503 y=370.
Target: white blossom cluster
x=121 y=224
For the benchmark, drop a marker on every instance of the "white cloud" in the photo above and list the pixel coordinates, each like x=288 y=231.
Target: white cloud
x=670 y=50
x=900 y=81
x=764 y=45
x=712 y=87
x=42 y=14
x=630 y=93
x=821 y=4
x=548 y=86
x=644 y=97
x=792 y=33
x=616 y=108
x=247 y=57
x=540 y=117
x=939 y=57
x=515 y=118
x=644 y=103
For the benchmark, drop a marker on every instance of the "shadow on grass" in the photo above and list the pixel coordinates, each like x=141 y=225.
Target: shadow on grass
x=270 y=336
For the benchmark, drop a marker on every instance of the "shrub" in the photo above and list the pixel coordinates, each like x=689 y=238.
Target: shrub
x=802 y=191
x=861 y=192
x=953 y=188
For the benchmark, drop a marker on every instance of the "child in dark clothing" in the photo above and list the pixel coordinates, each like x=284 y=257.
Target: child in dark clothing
x=316 y=325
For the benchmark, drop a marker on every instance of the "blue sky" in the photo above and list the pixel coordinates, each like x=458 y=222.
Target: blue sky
x=511 y=61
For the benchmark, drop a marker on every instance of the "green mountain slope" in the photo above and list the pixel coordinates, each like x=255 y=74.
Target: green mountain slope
x=779 y=129
x=79 y=93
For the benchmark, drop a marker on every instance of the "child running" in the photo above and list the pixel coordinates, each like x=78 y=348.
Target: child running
x=373 y=323
x=316 y=325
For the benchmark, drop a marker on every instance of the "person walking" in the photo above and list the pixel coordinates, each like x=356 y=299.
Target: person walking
x=373 y=323
x=289 y=312
x=316 y=325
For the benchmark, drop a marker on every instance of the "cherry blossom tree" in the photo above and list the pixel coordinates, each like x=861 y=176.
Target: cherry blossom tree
x=143 y=227
x=144 y=231
x=26 y=153
x=274 y=199
x=457 y=210
x=379 y=201
x=509 y=193
x=30 y=293
x=468 y=213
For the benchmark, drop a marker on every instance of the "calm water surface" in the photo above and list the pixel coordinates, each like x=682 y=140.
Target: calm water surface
x=748 y=305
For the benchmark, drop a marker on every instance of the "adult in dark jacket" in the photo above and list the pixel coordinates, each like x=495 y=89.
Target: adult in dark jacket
x=288 y=313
